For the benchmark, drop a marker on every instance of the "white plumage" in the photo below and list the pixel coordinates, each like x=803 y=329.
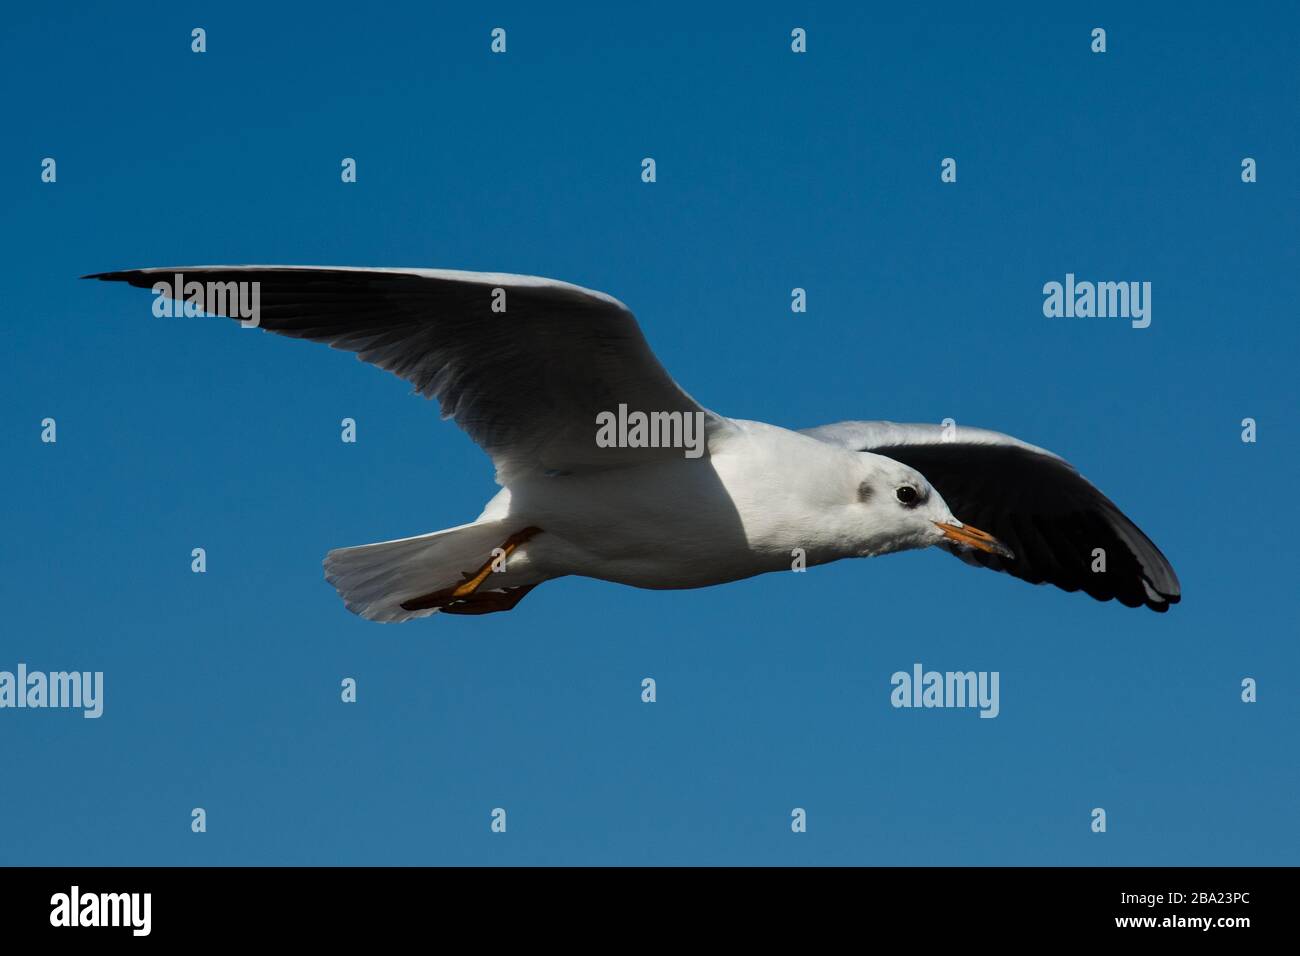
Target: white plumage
x=529 y=385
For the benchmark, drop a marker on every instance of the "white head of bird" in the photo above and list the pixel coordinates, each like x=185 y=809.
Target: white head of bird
x=899 y=510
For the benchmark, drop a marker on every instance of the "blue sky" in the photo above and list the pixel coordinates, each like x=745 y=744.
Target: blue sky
x=775 y=170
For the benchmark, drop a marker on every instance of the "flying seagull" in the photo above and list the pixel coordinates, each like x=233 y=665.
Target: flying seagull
x=557 y=384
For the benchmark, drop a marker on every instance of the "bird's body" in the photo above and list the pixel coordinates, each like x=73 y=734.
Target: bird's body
x=764 y=492
x=533 y=381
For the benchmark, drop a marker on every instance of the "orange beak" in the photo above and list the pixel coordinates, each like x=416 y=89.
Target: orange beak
x=971 y=537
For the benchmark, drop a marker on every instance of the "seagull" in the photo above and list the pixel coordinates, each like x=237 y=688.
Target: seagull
x=556 y=383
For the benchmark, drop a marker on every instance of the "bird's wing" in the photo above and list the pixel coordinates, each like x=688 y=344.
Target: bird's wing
x=526 y=382
x=1031 y=500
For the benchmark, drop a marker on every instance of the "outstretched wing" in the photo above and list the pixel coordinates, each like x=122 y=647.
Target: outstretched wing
x=1031 y=500
x=525 y=379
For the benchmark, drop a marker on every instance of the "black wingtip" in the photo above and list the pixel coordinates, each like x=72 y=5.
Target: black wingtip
x=1159 y=601
x=118 y=275
x=1170 y=601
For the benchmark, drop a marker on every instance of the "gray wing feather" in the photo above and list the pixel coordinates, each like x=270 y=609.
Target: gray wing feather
x=526 y=384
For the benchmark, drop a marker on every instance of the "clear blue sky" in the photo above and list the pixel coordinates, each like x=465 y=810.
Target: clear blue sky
x=774 y=171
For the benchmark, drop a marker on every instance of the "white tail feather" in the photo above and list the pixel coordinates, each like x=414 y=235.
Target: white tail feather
x=374 y=579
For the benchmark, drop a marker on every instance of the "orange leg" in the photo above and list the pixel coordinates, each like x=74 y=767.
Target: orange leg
x=473 y=581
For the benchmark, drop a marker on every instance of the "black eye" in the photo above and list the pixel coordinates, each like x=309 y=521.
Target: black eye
x=906 y=494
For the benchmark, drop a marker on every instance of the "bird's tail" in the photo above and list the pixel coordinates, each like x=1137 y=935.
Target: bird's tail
x=375 y=579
